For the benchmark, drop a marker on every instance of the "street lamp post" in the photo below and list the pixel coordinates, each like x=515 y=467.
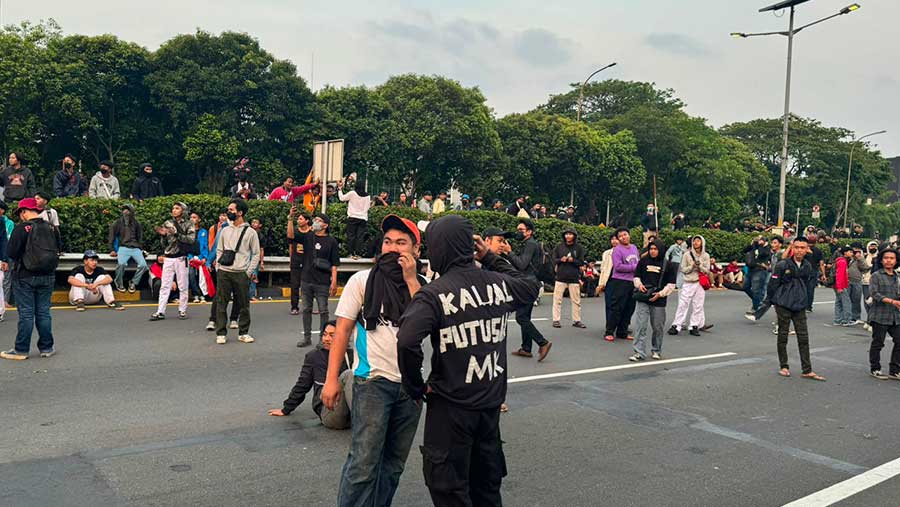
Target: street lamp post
x=578 y=115
x=790 y=33
x=849 y=168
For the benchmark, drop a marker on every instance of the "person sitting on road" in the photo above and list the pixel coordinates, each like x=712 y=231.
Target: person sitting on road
x=91 y=284
x=312 y=377
x=717 y=277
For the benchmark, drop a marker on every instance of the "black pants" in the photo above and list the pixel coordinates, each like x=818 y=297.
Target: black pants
x=295 y=287
x=312 y=291
x=462 y=455
x=529 y=332
x=621 y=307
x=879 y=331
x=590 y=287
x=235 y=308
x=235 y=286
x=811 y=292
x=785 y=317
x=356 y=236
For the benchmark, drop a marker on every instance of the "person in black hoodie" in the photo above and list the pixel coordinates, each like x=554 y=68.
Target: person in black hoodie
x=569 y=257
x=654 y=277
x=312 y=378
x=146 y=185
x=465 y=313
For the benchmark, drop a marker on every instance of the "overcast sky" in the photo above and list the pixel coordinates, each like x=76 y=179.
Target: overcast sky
x=518 y=52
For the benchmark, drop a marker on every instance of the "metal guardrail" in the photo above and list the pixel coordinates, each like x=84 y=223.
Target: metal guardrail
x=69 y=261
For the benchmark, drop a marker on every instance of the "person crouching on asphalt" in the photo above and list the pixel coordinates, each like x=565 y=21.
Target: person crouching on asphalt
x=655 y=278
x=694 y=262
x=465 y=314
x=177 y=236
x=91 y=284
x=237 y=257
x=787 y=293
x=312 y=378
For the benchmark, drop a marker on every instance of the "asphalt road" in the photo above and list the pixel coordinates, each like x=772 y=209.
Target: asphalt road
x=131 y=412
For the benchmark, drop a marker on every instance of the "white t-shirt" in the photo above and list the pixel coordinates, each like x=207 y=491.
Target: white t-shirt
x=374 y=352
x=358 y=207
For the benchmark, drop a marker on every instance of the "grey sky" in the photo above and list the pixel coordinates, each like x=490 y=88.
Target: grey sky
x=519 y=52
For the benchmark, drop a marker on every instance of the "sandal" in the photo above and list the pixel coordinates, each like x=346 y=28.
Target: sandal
x=813 y=376
x=784 y=372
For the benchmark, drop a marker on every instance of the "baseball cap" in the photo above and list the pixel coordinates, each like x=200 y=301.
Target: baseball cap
x=90 y=254
x=496 y=231
x=404 y=224
x=30 y=204
x=324 y=218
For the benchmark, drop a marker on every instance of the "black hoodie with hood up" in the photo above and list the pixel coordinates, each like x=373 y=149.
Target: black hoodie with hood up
x=465 y=313
x=569 y=271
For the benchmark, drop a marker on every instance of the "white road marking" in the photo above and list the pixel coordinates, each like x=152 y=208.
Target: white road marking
x=823 y=302
x=618 y=367
x=850 y=487
x=537 y=319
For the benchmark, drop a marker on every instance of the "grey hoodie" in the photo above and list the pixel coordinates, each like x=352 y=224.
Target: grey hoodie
x=870 y=258
x=693 y=264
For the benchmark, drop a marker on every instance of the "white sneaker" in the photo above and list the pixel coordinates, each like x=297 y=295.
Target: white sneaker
x=220 y=340
x=245 y=338
x=211 y=326
x=656 y=356
x=233 y=325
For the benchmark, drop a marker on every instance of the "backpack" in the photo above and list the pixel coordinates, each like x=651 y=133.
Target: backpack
x=545 y=269
x=41 y=249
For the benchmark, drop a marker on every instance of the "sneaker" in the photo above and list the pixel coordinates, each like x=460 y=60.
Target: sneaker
x=894 y=376
x=157 y=316
x=295 y=311
x=579 y=324
x=636 y=358
x=48 y=353
x=877 y=374
x=246 y=338
x=120 y=288
x=655 y=356
x=673 y=330
x=115 y=305
x=211 y=326
x=694 y=331
x=13 y=355
x=847 y=324
x=556 y=323
x=2 y=318
x=809 y=310
x=254 y=299
x=750 y=316
x=131 y=288
x=195 y=300
x=866 y=326
x=521 y=353
x=232 y=324
x=220 y=340
x=79 y=305
x=182 y=315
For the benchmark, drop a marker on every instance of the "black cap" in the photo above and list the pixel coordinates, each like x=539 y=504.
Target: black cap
x=324 y=218
x=496 y=231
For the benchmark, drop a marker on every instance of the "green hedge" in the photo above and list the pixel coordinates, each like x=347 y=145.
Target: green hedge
x=85 y=224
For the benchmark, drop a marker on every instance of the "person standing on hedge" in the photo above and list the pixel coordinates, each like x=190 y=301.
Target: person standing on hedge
x=568 y=257
x=620 y=289
x=146 y=185
x=694 y=262
x=237 y=257
x=358 y=204
x=649 y=224
x=296 y=241
x=319 y=278
x=104 y=185
x=128 y=235
x=177 y=236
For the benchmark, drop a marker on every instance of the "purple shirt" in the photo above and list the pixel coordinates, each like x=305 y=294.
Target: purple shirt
x=625 y=260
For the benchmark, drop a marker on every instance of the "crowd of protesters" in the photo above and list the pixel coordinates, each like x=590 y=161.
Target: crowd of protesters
x=366 y=371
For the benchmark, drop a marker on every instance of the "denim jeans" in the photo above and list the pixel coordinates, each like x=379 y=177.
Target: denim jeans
x=253 y=291
x=123 y=255
x=385 y=420
x=842 y=306
x=756 y=286
x=33 y=302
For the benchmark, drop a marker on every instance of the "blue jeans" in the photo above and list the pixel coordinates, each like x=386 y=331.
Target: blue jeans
x=755 y=286
x=33 y=302
x=384 y=421
x=253 y=293
x=123 y=255
x=842 y=306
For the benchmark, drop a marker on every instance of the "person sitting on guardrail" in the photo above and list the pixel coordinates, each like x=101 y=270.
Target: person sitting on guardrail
x=125 y=238
x=91 y=284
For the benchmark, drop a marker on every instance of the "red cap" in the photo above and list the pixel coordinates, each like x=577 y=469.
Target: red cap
x=404 y=224
x=29 y=203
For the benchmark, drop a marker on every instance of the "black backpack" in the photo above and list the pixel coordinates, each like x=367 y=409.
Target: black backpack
x=544 y=268
x=41 y=249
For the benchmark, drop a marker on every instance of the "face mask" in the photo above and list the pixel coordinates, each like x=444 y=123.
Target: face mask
x=520 y=236
x=231 y=216
x=68 y=165
x=104 y=171
x=479 y=203
x=317 y=226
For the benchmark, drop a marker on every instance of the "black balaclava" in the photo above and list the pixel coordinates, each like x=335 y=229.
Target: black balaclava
x=450 y=244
